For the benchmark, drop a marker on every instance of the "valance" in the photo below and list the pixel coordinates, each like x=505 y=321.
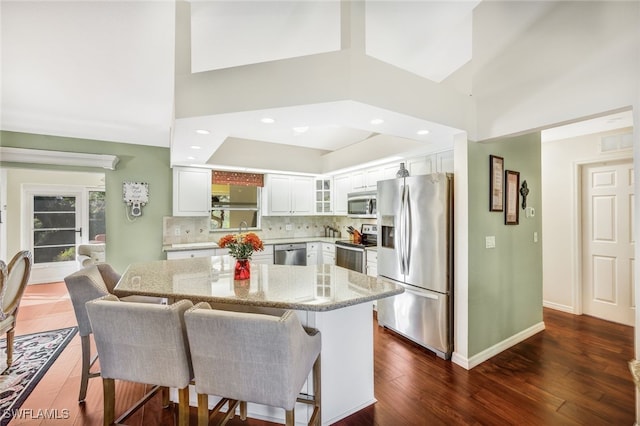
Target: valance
x=237 y=178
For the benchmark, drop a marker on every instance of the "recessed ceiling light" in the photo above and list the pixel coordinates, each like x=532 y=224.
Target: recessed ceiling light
x=191 y=158
x=268 y=120
x=301 y=129
x=202 y=132
x=423 y=132
x=195 y=147
x=377 y=121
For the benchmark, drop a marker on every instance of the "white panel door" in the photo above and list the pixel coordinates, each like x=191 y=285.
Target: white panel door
x=608 y=239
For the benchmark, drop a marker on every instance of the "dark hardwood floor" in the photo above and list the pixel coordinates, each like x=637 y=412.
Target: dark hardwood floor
x=573 y=373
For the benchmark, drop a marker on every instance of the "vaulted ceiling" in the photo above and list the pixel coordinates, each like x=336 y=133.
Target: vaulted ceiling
x=331 y=75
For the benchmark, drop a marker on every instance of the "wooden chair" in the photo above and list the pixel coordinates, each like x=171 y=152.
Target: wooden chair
x=252 y=357
x=17 y=276
x=143 y=343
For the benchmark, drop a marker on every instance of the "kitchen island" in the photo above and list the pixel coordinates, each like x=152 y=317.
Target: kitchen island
x=334 y=300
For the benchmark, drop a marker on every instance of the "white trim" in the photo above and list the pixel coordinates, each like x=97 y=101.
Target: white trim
x=494 y=350
x=55 y=271
x=58 y=158
x=559 y=307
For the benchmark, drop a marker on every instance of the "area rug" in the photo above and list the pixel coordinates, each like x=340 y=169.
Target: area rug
x=33 y=354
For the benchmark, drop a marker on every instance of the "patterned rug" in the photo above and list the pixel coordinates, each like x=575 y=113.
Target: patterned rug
x=33 y=354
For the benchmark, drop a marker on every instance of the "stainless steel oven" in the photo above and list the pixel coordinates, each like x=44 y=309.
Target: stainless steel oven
x=350 y=256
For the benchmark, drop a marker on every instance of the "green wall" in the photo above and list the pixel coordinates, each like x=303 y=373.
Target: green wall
x=505 y=283
x=126 y=241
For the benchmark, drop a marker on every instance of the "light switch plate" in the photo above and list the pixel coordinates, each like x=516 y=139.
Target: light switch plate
x=288 y=227
x=490 y=242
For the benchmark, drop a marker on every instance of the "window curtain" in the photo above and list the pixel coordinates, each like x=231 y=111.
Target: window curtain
x=237 y=178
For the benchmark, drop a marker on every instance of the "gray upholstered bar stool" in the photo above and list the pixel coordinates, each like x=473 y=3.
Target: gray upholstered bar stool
x=88 y=284
x=142 y=343
x=251 y=357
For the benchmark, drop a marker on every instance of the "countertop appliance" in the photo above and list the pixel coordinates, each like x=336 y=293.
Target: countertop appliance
x=352 y=255
x=290 y=254
x=415 y=249
x=361 y=204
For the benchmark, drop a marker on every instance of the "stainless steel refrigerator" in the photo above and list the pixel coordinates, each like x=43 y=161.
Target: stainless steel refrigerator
x=415 y=249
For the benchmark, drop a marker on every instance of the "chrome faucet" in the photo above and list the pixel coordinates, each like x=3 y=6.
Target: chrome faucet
x=246 y=226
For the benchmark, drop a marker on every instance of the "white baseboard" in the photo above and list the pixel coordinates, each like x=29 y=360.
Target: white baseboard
x=469 y=363
x=559 y=307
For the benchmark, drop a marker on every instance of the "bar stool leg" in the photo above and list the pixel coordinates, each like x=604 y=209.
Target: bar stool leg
x=203 y=409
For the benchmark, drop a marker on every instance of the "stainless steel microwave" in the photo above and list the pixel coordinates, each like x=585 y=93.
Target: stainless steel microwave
x=361 y=204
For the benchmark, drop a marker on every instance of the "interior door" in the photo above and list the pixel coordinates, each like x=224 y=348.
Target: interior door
x=56 y=229
x=608 y=241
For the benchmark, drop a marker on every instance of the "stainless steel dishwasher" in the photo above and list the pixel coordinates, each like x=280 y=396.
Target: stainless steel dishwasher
x=290 y=254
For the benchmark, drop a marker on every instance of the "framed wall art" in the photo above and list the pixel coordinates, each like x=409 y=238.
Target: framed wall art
x=496 y=197
x=512 y=186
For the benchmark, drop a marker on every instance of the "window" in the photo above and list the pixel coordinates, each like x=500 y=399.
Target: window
x=54 y=228
x=97 y=208
x=231 y=205
x=235 y=199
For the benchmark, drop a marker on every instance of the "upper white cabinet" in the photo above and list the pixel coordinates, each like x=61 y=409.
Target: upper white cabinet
x=420 y=166
x=358 y=181
x=434 y=163
x=191 y=191
x=323 y=196
x=341 y=187
x=289 y=195
x=444 y=161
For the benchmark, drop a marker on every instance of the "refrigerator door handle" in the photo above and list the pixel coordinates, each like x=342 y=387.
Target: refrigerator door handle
x=407 y=230
x=420 y=293
x=401 y=233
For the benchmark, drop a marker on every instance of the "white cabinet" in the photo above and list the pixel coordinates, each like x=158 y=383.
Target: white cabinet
x=328 y=253
x=420 y=166
x=372 y=176
x=372 y=262
x=312 y=253
x=434 y=163
x=264 y=257
x=289 y=195
x=444 y=161
x=366 y=180
x=341 y=187
x=185 y=254
x=323 y=196
x=191 y=191
x=321 y=253
x=389 y=171
x=358 y=181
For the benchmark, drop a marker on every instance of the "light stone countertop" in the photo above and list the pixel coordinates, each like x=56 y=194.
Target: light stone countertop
x=213 y=244
x=307 y=288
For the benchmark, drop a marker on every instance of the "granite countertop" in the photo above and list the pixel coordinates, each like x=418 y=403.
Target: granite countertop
x=307 y=288
x=207 y=245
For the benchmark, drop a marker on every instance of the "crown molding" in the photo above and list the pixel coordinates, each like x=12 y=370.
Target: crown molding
x=58 y=158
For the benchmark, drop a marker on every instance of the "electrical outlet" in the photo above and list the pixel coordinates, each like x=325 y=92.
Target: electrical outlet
x=288 y=227
x=176 y=232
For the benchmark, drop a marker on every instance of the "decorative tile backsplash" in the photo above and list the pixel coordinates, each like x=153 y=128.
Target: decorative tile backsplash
x=188 y=229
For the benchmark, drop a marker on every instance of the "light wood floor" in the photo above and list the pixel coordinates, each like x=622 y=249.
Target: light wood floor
x=573 y=373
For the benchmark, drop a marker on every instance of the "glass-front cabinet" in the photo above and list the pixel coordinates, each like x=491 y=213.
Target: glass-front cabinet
x=323 y=196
